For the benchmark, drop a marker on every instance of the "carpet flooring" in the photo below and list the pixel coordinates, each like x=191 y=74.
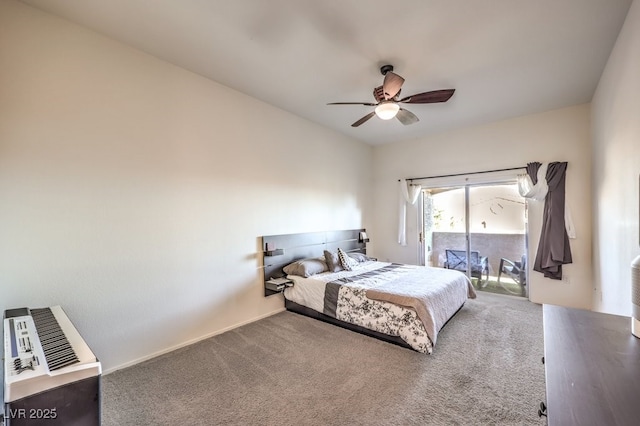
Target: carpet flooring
x=291 y=370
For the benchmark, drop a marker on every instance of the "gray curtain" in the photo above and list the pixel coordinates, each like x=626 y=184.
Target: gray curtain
x=553 y=249
x=532 y=171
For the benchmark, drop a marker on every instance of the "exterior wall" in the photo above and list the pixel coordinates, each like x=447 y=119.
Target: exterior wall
x=493 y=246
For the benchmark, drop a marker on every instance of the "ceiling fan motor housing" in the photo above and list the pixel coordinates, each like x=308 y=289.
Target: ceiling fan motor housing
x=378 y=93
x=385 y=69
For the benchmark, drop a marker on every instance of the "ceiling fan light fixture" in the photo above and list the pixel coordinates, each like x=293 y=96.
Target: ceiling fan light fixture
x=387 y=110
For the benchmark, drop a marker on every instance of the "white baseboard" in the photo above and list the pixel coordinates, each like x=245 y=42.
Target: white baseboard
x=189 y=342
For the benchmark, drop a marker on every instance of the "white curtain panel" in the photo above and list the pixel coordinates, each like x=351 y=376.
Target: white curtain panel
x=535 y=192
x=408 y=193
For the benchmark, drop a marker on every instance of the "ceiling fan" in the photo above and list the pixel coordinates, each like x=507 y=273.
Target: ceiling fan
x=387 y=103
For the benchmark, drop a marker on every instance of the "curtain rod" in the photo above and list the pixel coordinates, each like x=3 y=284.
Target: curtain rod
x=464 y=174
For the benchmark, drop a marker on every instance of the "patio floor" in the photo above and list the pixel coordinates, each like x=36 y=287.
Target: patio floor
x=506 y=286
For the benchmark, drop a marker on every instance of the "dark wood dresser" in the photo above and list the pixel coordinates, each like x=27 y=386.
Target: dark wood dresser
x=592 y=364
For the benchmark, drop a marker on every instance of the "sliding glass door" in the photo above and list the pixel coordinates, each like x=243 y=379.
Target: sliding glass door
x=485 y=224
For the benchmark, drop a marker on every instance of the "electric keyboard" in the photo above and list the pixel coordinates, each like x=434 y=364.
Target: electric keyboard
x=44 y=358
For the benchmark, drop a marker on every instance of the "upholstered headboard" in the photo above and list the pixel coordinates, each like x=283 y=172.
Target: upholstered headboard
x=281 y=250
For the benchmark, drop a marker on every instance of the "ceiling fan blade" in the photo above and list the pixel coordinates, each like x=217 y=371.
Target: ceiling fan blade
x=363 y=119
x=392 y=84
x=352 y=103
x=406 y=117
x=429 y=97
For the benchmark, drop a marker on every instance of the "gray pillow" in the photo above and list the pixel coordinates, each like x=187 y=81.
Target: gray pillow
x=360 y=257
x=306 y=267
x=333 y=261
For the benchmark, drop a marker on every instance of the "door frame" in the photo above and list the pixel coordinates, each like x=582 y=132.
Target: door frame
x=422 y=252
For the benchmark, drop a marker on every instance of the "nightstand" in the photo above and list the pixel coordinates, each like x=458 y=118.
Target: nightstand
x=276 y=285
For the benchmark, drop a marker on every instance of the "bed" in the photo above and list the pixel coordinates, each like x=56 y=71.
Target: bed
x=336 y=282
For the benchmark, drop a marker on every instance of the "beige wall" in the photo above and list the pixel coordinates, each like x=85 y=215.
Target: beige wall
x=133 y=192
x=616 y=169
x=560 y=135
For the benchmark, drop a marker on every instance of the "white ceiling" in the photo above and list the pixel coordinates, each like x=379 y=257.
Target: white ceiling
x=505 y=58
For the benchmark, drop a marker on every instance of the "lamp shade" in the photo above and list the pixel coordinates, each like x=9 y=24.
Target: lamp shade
x=387 y=110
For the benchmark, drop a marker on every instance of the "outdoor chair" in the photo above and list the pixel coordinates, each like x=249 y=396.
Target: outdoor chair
x=457 y=259
x=517 y=271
